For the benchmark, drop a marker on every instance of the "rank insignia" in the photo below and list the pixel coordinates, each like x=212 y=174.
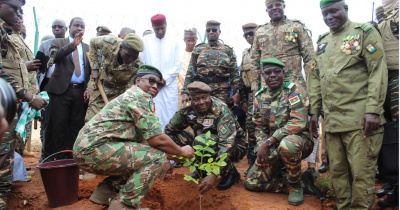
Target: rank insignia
x=222 y=129
x=152 y=106
x=294 y=100
x=370 y=48
x=208 y=122
x=192 y=116
x=321 y=48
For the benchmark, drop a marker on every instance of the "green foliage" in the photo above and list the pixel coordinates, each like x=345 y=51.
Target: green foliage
x=325 y=184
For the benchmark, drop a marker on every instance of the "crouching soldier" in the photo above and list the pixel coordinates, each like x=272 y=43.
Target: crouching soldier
x=205 y=113
x=281 y=120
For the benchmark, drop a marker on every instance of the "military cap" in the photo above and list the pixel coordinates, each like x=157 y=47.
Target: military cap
x=213 y=22
x=249 y=26
x=149 y=69
x=379 y=9
x=325 y=3
x=134 y=42
x=269 y=1
x=103 y=29
x=190 y=33
x=158 y=20
x=272 y=62
x=197 y=87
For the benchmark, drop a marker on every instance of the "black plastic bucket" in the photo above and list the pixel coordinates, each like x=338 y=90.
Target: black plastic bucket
x=61 y=180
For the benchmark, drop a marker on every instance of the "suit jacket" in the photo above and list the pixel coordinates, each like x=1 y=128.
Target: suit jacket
x=61 y=77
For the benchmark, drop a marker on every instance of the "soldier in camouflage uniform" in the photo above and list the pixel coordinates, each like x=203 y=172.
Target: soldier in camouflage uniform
x=117 y=61
x=380 y=13
x=281 y=119
x=11 y=71
x=214 y=63
x=285 y=39
x=348 y=81
x=207 y=113
x=249 y=30
x=124 y=141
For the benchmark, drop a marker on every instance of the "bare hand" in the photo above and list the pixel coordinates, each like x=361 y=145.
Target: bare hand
x=314 y=126
x=370 y=123
x=236 y=99
x=185 y=98
x=3 y=123
x=86 y=96
x=187 y=151
x=78 y=39
x=33 y=65
x=207 y=184
x=262 y=155
x=168 y=169
x=38 y=103
x=245 y=107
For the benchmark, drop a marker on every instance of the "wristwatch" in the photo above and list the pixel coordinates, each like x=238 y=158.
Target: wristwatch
x=269 y=142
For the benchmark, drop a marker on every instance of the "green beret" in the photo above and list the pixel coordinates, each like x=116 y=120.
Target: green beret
x=272 y=62
x=149 y=69
x=134 y=42
x=269 y=1
x=379 y=9
x=213 y=22
x=325 y=3
x=197 y=87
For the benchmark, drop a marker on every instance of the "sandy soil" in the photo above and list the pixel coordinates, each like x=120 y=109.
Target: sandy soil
x=173 y=193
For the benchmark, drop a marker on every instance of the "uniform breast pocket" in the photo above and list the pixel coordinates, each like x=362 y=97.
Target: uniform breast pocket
x=223 y=62
x=265 y=109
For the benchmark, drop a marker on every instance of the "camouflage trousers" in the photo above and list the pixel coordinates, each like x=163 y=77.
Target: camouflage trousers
x=221 y=94
x=250 y=126
x=235 y=154
x=132 y=166
x=288 y=153
x=352 y=163
x=392 y=97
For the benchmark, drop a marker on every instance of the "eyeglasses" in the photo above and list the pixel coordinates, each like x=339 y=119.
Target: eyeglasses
x=57 y=26
x=213 y=30
x=251 y=33
x=153 y=81
x=276 y=72
x=17 y=8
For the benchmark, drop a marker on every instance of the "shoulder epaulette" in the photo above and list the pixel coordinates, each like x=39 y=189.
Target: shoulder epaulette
x=260 y=91
x=110 y=39
x=322 y=35
x=299 y=21
x=289 y=85
x=214 y=107
x=366 y=27
x=186 y=105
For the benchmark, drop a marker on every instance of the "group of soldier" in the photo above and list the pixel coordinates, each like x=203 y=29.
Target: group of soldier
x=351 y=86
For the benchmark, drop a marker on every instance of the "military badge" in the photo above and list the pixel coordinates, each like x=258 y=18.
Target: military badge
x=291 y=34
x=192 y=116
x=294 y=100
x=370 y=48
x=313 y=64
x=321 y=48
x=222 y=129
x=350 y=44
x=264 y=106
x=152 y=106
x=208 y=122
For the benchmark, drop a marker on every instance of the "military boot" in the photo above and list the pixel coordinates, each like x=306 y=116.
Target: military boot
x=391 y=200
x=296 y=194
x=323 y=168
x=229 y=180
x=103 y=193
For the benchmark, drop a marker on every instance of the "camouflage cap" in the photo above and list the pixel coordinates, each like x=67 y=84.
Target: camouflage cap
x=103 y=29
x=325 y=3
x=272 y=62
x=379 y=9
x=213 y=23
x=249 y=26
x=270 y=1
x=149 y=69
x=197 y=87
x=134 y=42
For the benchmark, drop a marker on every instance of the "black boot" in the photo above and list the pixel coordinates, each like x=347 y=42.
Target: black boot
x=384 y=190
x=195 y=175
x=252 y=161
x=323 y=168
x=178 y=164
x=229 y=180
x=392 y=198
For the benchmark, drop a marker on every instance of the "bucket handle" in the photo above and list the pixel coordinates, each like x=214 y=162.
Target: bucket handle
x=63 y=151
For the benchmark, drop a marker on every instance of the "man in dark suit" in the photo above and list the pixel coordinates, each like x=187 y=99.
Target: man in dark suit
x=67 y=87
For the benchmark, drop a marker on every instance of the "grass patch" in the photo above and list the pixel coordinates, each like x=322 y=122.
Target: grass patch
x=325 y=184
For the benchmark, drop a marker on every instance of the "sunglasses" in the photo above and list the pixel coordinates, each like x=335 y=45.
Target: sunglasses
x=17 y=8
x=251 y=33
x=276 y=72
x=57 y=26
x=213 y=30
x=153 y=81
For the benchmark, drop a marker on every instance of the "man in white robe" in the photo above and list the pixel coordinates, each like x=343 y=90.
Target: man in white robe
x=162 y=52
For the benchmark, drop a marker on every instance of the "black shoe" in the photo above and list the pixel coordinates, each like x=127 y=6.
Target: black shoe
x=252 y=161
x=391 y=200
x=323 y=168
x=178 y=164
x=229 y=180
x=384 y=190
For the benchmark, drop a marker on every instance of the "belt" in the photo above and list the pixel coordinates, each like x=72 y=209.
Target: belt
x=76 y=85
x=209 y=80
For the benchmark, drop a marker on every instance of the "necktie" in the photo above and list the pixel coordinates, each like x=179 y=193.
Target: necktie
x=76 y=63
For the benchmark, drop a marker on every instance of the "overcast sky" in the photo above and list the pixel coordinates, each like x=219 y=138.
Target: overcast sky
x=180 y=14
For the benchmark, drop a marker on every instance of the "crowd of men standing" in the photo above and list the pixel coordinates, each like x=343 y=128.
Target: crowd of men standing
x=125 y=104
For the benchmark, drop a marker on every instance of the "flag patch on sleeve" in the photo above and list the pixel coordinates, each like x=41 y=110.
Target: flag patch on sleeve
x=294 y=100
x=370 y=48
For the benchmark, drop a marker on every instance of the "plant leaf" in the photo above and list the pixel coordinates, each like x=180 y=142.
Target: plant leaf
x=208 y=134
x=210 y=150
x=207 y=155
x=210 y=160
x=223 y=156
x=198 y=147
x=211 y=142
x=192 y=168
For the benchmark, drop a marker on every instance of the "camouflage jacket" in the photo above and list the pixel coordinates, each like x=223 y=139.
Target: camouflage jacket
x=211 y=62
x=389 y=30
x=281 y=113
x=348 y=77
x=219 y=120
x=129 y=117
x=288 y=41
x=103 y=56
